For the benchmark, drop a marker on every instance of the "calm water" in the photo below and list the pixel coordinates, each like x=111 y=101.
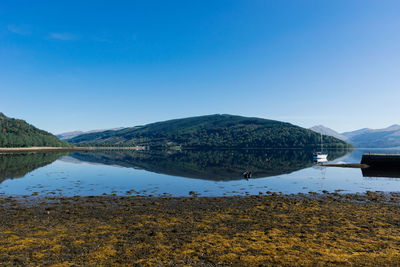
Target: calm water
x=207 y=173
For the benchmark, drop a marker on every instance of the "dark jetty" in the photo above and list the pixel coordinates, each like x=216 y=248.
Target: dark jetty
x=381 y=165
x=375 y=165
x=382 y=161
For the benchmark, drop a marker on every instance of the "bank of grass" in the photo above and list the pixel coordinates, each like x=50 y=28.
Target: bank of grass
x=327 y=229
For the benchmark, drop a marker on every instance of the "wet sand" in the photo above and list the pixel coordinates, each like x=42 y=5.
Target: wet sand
x=314 y=229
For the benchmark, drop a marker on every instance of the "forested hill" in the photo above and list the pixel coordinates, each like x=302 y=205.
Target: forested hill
x=18 y=133
x=212 y=131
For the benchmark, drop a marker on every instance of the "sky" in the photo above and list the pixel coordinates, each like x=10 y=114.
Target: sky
x=83 y=65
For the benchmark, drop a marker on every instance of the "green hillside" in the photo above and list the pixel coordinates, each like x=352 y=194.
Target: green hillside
x=18 y=133
x=212 y=131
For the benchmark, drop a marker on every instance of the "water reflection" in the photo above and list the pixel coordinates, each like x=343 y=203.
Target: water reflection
x=356 y=155
x=19 y=164
x=218 y=165
x=316 y=160
x=215 y=173
x=376 y=172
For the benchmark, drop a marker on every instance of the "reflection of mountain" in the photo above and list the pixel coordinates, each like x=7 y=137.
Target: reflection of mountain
x=356 y=154
x=17 y=165
x=209 y=165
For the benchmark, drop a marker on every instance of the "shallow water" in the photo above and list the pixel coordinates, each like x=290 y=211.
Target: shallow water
x=205 y=173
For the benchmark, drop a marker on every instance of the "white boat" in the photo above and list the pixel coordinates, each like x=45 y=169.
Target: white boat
x=320 y=156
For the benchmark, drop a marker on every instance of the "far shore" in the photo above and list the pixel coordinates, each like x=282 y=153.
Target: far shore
x=41 y=149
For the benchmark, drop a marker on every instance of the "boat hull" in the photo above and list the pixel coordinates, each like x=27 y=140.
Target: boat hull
x=320 y=156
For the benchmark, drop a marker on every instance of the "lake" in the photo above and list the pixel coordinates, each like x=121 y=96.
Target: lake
x=185 y=173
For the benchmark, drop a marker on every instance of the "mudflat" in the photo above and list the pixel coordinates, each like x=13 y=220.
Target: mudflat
x=314 y=229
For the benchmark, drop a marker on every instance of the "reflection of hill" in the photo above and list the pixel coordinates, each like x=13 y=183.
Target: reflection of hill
x=17 y=165
x=337 y=153
x=209 y=165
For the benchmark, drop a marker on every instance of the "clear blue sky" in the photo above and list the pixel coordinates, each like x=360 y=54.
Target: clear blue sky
x=81 y=65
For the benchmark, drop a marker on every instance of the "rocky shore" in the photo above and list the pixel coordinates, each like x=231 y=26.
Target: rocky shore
x=315 y=229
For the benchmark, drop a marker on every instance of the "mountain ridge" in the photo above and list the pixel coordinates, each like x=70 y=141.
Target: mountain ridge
x=327 y=131
x=388 y=137
x=72 y=134
x=210 y=131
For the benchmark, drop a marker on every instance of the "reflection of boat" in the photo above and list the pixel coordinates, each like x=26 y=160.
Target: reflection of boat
x=320 y=156
x=322 y=170
x=320 y=159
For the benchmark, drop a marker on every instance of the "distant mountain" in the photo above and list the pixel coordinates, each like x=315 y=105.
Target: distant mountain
x=18 y=133
x=327 y=131
x=69 y=135
x=211 y=131
x=367 y=138
x=375 y=138
x=350 y=135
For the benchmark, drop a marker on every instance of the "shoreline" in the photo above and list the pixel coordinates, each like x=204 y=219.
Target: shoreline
x=315 y=229
x=380 y=197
